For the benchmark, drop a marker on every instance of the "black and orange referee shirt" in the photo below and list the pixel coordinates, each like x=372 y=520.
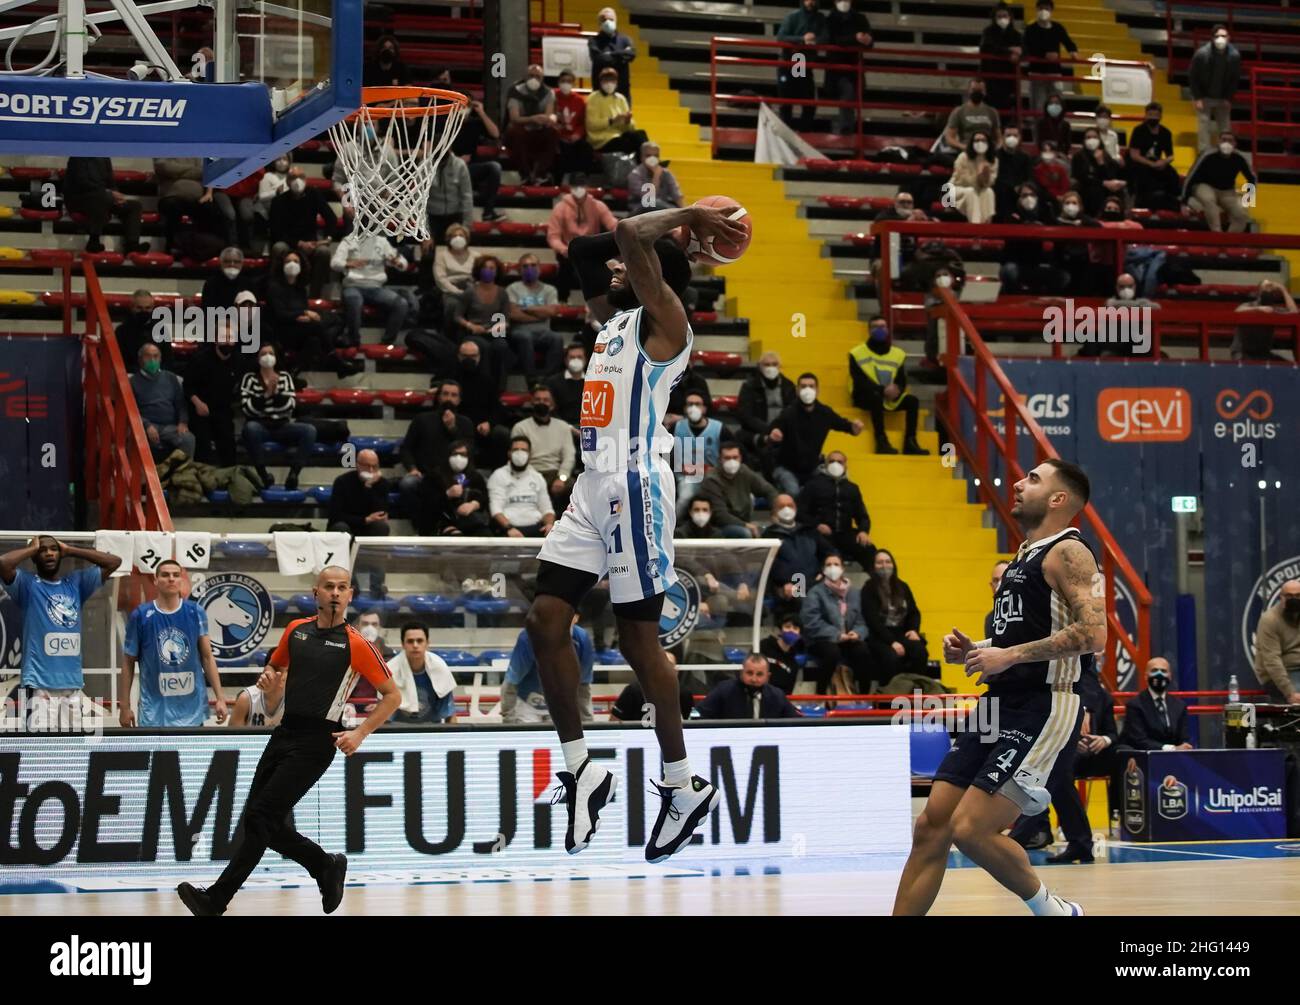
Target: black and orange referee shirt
x=324 y=666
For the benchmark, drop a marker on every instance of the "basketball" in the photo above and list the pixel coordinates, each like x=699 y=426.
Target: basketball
x=717 y=254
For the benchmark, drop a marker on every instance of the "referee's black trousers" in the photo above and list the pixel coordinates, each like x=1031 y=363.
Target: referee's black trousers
x=294 y=760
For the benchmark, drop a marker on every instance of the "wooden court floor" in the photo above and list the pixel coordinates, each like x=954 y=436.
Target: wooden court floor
x=1181 y=886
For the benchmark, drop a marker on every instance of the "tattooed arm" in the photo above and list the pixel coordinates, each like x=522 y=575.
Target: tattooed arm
x=1071 y=571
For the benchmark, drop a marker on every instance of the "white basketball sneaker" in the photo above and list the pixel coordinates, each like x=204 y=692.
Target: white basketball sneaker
x=585 y=795
x=684 y=808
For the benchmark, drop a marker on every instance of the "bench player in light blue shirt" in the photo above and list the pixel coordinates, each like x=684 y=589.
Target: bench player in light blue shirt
x=168 y=638
x=51 y=609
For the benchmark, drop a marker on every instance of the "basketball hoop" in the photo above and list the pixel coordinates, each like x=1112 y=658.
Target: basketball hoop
x=390 y=150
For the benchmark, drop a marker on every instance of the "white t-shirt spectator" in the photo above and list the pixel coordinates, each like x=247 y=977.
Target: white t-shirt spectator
x=377 y=253
x=539 y=295
x=520 y=495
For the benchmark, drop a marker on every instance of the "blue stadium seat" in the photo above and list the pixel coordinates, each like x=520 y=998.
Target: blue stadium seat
x=609 y=657
x=734 y=654
x=272 y=447
x=321 y=493
x=430 y=603
x=486 y=657
x=381 y=445
x=277 y=494
x=281 y=604
x=304 y=602
x=485 y=605
x=393 y=499
x=929 y=748
x=382 y=605
x=219 y=496
x=710 y=622
x=243 y=549
x=325 y=450
x=813 y=711
x=457 y=657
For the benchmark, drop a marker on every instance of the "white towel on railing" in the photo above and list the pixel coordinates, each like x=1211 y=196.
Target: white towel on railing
x=151 y=547
x=193 y=548
x=293 y=553
x=119 y=543
x=332 y=549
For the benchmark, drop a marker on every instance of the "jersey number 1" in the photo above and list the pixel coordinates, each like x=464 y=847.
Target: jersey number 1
x=617 y=547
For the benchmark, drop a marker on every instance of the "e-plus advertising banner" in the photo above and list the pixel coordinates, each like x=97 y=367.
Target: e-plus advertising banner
x=133 y=804
x=1146 y=432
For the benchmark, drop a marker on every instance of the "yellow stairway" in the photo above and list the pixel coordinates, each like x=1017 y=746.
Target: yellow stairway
x=796 y=307
x=1094 y=28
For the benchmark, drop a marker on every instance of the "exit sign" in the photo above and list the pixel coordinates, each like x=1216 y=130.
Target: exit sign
x=1184 y=504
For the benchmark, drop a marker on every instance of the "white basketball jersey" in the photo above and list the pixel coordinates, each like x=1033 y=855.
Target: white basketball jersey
x=258 y=715
x=625 y=397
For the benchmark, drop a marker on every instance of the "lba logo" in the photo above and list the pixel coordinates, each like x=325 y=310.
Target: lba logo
x=1144 y=414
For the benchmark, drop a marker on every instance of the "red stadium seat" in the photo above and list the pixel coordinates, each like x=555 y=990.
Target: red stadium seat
x=541 y=191
x=184 y=349
x=515 y=399
x=309 y=396
x=40 y=214
x=350 y=395
x=508 y=191
x=513 y=228
x=119 y=300
x=400 y=398
x=481 y=228
x=725 y=403
x=724 y=362
x=31 y=173
x=571 y=311
x=819 y=164
x=44 y=255
x=383 y=352
x=152 y=259
x=103 y=257
x=704 y=317
x=129 y=177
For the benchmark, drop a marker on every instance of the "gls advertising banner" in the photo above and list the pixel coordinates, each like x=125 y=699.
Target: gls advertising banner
x=1146 y=432
x=135 y=804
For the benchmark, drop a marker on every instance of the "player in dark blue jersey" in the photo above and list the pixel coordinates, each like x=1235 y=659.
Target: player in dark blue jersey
x=1049 y=617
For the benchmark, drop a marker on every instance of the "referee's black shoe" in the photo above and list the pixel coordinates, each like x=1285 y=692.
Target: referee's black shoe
x=331 y=883
x=199 y=901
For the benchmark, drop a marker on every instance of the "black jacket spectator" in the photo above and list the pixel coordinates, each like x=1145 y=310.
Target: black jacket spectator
x=889 y=618
x=88 y=189
x=445 y=506
x=1214 y=74
x=691 y=383
x=731 y=699
x=836 y=502
x=996 y=44
x=1144 y=727
x=1218 y=171
x=1039 y=41
x=628 y=706
x=293 y=217
x=801 y=555
x=756 y=417
x=352 y=500
x=136 y=331
x=1015 y=167
x=568 y=397
x=612 y=49
x=213 y=377
x=387 y=68
x=87 y=175
x=781 y=662
x=804 y=430
x=1089 y=171
x=428 y=440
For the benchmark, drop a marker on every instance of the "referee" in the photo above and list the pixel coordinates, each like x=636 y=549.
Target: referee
x=322 y=658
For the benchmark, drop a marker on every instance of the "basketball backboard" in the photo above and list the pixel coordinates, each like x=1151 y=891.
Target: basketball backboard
x=239 y=83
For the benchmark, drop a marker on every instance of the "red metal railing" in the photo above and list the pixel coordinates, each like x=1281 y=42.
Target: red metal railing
x=1017 y=421
x=120 y=473
x=1225 y=12
x=1278 y=86
x=926 y=62
x=1116 y=238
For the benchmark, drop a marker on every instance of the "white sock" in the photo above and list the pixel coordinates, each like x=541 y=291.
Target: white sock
x=1046 y=905
x=677 y=773
x=575 y=753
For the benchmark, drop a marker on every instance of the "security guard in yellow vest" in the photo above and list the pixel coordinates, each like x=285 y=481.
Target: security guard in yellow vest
x=880 y=383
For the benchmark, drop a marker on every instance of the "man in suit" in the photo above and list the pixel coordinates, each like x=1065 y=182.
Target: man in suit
x=1094 y=758
x=1155 y=720
x=748 y=695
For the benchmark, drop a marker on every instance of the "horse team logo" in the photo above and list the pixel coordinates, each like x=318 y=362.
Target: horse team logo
x=681 y=610
x=173 y=647
x=615 y=346
x=63 y=610
x=1266 y=592
x=239 y=611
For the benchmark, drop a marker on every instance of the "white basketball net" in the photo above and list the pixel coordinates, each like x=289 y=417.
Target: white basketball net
x=390 y=162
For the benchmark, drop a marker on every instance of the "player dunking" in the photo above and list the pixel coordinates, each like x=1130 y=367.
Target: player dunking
x=1049 y=617
x=620 y=518
x=323 y=657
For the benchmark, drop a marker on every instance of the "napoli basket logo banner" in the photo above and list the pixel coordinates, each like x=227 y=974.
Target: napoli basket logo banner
x=239 y=611
x=681 y=610
x=1267 y=590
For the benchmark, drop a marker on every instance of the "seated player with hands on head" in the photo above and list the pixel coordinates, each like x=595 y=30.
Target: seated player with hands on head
x=622 y=512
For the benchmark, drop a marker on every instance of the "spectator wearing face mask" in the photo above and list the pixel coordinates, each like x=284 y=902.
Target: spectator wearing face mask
x=650 y=185
x=359 y=506
x=749 y=695
x=783 y=649
x=799 y=433
x=274 y=181
x=160 y=397
x=835 y=631
x=221 y=288
x=532 y=305
x=386 y=67
x=482 y=315
x=427 y=443
x=903 y=208
x=1077 y=258
x=533 y=131
x=1025 y=267
x=1109 y=136
x=610 y=128
x=763 y=396
x=1155 y=719
x=1277 y=646
x=1014 y=169
x=1211 y=186
x=481 y=404
x=308 y=334
x=1051 y=173
x=451 y=201
x=1095 y=175
x=294 y=228
x=973 y=116
x=973 y=176
x=1213 y=77
x=833 y=505
x=460 y=503
x=578 y=214
x=566 y=386
x=268 y=398
x=806 y=26
x=571 y=114
x=893 y=621
x=879 y=378
x=364 y=263
x=1152 y=177
x=1000 y=48
x=518 y=501
x=690 y=382
x=730 y=489
x=698 y=440
x=478 y=129
x=211 y=384
x=610 y=49
x=1142 y=262
x=1125 y=296
x=140 y=328
x=799 y=558
x=941 y=279
x=849 y=28
x=551 y=442
x=1054 y=125
x=453 y=263
x=1255 y=341
x=1043 y=42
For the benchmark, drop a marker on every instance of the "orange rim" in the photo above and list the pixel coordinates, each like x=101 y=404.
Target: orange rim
x=374 y=99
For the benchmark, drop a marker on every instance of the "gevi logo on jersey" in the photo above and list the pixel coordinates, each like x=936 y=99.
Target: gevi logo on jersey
x=1144 y=414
